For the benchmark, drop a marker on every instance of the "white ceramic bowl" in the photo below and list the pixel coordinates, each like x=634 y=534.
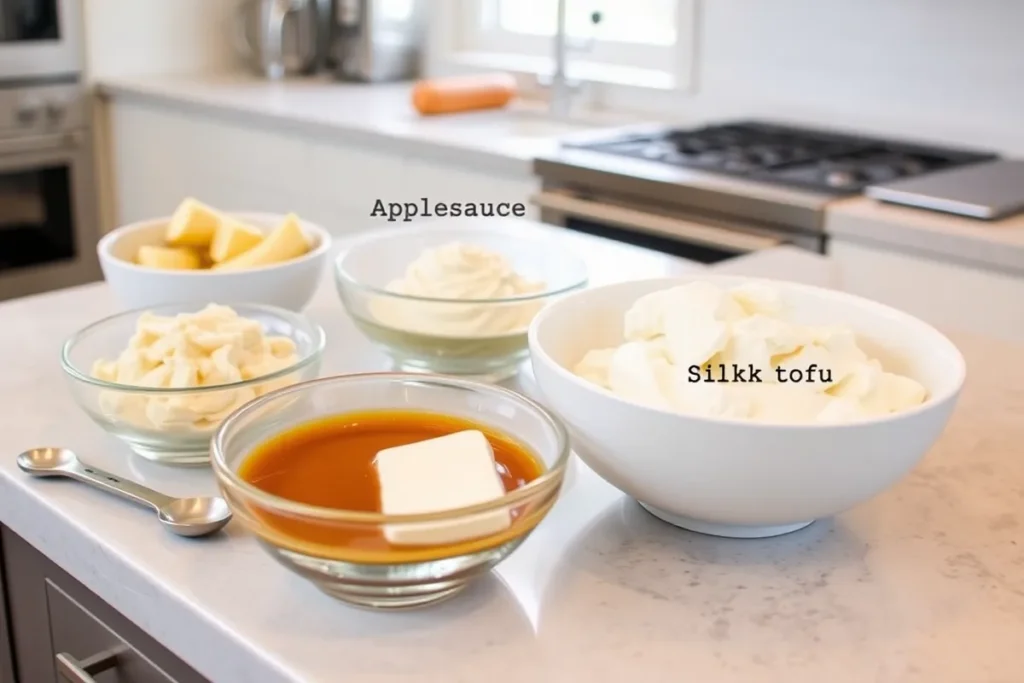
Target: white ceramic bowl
x=731 y=477
x=288 y=285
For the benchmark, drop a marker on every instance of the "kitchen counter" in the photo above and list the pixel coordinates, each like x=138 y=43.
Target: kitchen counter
x=379 y=115
x=995 y=245
x=506 y=141
x=923 y=584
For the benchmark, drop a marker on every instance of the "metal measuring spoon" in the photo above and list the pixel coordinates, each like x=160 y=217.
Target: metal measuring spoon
x=182 y=516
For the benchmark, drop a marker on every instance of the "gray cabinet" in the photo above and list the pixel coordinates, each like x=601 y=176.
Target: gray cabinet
x=87 y=649
x=60 y=632
x=6 y=657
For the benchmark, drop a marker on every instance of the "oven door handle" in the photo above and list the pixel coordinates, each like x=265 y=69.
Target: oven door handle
x=653 y=223
x=40 y=143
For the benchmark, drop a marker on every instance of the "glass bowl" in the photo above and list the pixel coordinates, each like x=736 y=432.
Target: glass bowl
x=422 y=334
x=343 y=552
x=125 y=410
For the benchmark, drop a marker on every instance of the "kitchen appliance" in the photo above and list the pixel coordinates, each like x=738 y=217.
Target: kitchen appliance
x=377 y=40
x=39 y=39
x=283 y=37
x=798 y=157
x=48 y=224
x=713 y=193
x=988 y=191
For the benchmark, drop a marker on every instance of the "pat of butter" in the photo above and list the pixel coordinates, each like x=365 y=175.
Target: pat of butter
x=436 y=475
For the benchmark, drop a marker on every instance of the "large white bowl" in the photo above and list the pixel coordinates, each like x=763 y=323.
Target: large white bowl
x=289 y=285
x=736 y=478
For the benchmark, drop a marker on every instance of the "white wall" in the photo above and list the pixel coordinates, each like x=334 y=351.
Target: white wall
x=161 y=155
x=132 y=37
x=948 y=70
x=138 y=37
x=937 y=70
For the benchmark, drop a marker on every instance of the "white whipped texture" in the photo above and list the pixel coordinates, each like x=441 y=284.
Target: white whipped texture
x=680 y=334
x=464 y=274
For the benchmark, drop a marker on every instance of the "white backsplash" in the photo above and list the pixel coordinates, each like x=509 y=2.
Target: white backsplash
x=134 y=37
x=139 y=37
x=942 y=70
x=946 y=70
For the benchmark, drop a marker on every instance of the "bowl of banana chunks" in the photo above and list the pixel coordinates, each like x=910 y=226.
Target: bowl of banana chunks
x=203 y=254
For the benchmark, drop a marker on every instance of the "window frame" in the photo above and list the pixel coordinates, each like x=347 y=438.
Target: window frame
x=470 y=43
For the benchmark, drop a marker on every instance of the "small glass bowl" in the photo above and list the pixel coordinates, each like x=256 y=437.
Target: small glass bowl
x=369 y=572
x=402 y=324
x=123 y=410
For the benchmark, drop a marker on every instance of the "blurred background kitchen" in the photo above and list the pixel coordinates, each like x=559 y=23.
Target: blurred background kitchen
x=876 y=131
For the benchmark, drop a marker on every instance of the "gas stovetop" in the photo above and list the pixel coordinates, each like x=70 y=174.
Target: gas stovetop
x=810 y=159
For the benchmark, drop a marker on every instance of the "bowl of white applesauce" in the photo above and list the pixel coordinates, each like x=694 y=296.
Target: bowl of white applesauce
x=739 y=407
x=446 y=299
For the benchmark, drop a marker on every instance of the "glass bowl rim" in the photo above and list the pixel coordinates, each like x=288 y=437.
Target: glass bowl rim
x=352 y=244
x=296 y=320
x=230 y=479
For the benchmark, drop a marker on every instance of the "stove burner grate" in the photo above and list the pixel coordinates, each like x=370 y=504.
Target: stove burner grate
x=798 y=157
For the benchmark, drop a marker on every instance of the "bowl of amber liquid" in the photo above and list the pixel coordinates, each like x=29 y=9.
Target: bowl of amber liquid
x=297 y=467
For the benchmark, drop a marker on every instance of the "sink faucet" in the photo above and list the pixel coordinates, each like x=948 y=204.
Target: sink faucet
x=561 y=88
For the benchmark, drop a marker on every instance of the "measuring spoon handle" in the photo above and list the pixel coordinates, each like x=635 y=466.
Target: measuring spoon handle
x=125 y=488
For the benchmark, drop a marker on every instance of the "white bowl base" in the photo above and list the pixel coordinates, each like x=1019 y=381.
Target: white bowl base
x=724 y=530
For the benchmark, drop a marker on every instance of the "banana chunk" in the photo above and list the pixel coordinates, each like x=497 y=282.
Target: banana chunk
x=168 y=258
x=198 y=237
x=192 y=225
x=232 y=239
x=285 y=242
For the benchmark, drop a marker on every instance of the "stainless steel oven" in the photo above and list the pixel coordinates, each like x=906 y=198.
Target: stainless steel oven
x=650 y=201
x=40 y=39
x=48 y=213
x=664 y=228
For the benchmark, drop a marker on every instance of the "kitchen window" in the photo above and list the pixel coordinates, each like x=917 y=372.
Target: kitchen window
x=634 y=42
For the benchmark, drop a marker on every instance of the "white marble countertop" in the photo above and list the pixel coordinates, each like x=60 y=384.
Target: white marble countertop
x=989 y=244
x=924 y=584
x=378 y=115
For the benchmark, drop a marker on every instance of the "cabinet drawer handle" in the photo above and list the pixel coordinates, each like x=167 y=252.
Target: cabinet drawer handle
x=74 y=671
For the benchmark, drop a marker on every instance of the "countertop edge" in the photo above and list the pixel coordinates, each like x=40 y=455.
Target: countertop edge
x=68 y=544
x=992 y=255
x=378 y=139
x=994 y=263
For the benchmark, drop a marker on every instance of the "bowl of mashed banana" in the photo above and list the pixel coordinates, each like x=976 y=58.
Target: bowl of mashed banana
x=163 y=379
x=739 y=407
x=454 y=300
